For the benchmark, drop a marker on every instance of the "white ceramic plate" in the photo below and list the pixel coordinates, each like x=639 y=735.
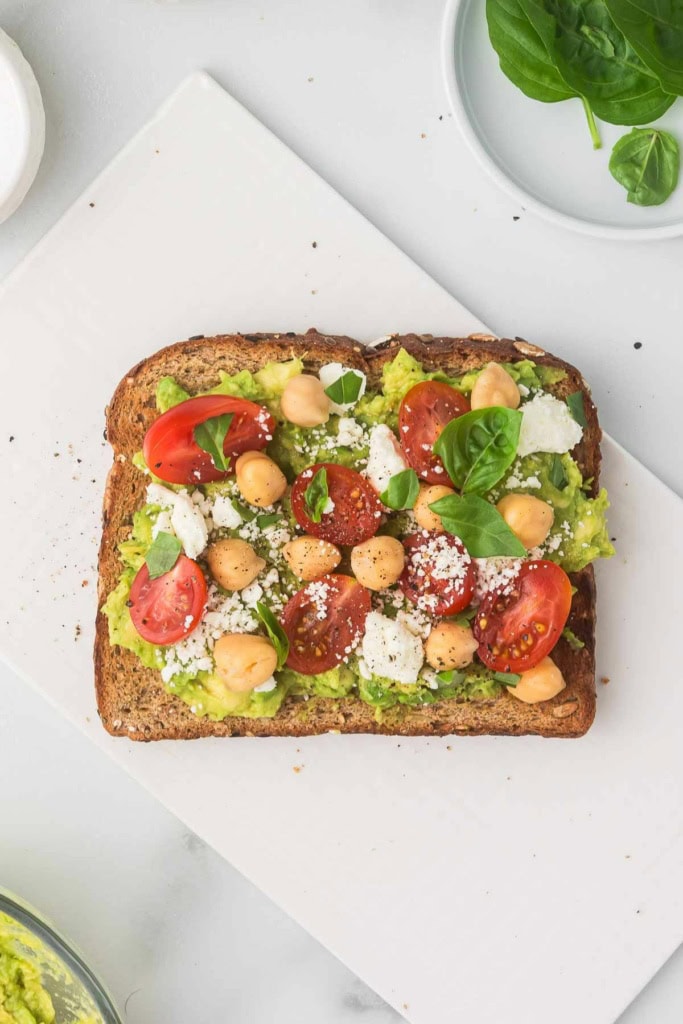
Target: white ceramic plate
x=22 y=126
x=541 y=153
x=419 y=862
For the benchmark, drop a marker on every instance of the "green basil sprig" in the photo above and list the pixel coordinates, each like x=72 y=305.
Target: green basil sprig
x=577 y=408
x=268 y=520
x=451 y=677
x=210 y=436
x=163 y=554
x=655 y=31
x=646 y=162
x=246 y=514
x=478 y=524
x=507 y=678
x=401 y=491
x=317 y=495
x=275 y=632
x=477 y=448
x=556 y=474
x=345 y=389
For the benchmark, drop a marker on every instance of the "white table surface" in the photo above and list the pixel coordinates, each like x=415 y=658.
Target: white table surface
x=356 y=90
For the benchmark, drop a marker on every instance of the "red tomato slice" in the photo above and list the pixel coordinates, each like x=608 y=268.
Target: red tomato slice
x=439 y=573
x=516 y=630
x=323 y=622
x=168 y=608
x=357 y=511
x=171 y=452
x=424 y=412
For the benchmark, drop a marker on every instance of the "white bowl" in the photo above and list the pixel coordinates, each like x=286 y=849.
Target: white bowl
x=22 y=126
x=541 y=153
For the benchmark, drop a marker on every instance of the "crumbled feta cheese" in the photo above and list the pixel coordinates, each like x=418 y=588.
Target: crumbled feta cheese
x=523 y=390
x=438 y=557
x=390 y=650
x=252 y=594
x=328 y=506
x=224 y=614
x=385 y=458
x=351 y=433
x=157 y=494
x=224 y=513
x=497 y=573
x=162 y=524
x=330 y=373
x=547 y=426
x=189 y=525
x=266 y=687
x=416 y=621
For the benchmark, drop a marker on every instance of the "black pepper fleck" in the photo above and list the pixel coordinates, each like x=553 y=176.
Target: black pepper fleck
x=91 y=205
x=637 y=344
x=515 y=218
x=11 y=438
x=314 y=244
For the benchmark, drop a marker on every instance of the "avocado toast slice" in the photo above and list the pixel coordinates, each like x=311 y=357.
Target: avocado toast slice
x=132 y=699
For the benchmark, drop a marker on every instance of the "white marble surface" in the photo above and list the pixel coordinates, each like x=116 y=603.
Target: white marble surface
x=355 y=89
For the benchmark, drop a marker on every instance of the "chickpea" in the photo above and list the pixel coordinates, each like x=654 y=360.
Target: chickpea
x=233 y=563
x=259 y=479
x=309 y=557
x=427 y=519
x=304 y=401
x=529 y=518
x=378 y=562
x=244 y=660
x=539 y=683
x=450 y=646
x=494 y=386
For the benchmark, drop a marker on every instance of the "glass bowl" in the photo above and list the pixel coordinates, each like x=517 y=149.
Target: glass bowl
x=77 y=995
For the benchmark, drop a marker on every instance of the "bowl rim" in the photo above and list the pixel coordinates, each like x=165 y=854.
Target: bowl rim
x=453 y=12
x=33 y=920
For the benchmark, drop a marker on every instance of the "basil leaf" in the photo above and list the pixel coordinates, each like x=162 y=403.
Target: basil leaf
x=478 y=447
x=576 y=407
x=507 y=678
x=655 y=31
x=572 y=639
x=451 y=677
x=267 y=520
x=402 y=490
x=596 y=60
x=646 y=162
x=210 y=436
x=478 y=524
x=556 y=474
x=463 y=618
x=246 y=514
x=316 y=495
x=163 y=554
x=345 y=389
x=275 y=632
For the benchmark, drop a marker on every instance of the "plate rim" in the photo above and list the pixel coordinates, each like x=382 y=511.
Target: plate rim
x=453 y=12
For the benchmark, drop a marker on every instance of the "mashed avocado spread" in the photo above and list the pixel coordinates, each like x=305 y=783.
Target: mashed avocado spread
x=578 y=536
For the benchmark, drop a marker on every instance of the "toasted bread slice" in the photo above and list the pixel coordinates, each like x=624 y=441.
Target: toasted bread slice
x=131 y=698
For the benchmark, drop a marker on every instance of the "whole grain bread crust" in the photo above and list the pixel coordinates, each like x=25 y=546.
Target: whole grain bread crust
x=131 y=698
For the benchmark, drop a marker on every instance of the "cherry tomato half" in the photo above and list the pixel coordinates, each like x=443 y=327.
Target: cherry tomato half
x=167 y=609
x=424 y=412
x=439 y=574
x=357 y=511
x=516 y=630
x=323 y=622
x=173 y=455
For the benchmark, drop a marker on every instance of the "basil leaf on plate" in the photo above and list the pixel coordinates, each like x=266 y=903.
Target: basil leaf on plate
x=345 y=389
x=654 y=28
x=267 y=520
x=210 y=436
x=275 y=632
x=451 y=677
x=507 y=678
x=556 y=474
x=316 y=496
x=246 y=514
x=479 y=525
x=477 y=448
x=577 y=408
x=402 y=490
x=163 y=554
x=646 y=162
x=596 y=60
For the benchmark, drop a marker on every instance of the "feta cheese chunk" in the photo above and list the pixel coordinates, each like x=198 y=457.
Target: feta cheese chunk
x=330 y=373
x=266 y=687
x=385 y=458
x=547 y=426
x=351 y=433
x=391 y=650
x=157 y=494
x=224 y=513
x=189 y=525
